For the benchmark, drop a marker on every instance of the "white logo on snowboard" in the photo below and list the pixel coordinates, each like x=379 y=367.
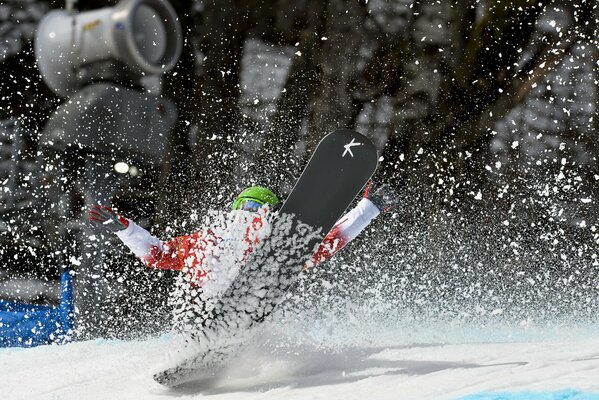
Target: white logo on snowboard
x=348 y=147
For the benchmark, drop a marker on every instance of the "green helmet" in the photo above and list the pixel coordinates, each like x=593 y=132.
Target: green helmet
x=256 y=194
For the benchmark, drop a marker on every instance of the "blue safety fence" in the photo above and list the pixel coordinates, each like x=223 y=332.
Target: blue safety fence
x=559 y=395
x=29 y=325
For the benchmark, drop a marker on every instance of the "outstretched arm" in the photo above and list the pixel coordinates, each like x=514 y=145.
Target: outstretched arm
x=148 y=248
x=375 y=201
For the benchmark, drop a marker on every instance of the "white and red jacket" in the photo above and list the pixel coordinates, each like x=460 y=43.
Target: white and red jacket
x=199 y=254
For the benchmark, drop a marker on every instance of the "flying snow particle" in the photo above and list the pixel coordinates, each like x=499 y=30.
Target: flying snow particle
x=133 y=170
x=479 y=196
x=121 y=167
x=74 y=261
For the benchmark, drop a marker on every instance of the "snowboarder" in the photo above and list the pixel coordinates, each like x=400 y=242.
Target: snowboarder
x=192 y=253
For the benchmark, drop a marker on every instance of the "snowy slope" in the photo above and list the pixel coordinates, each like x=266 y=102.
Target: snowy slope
x=283 y=366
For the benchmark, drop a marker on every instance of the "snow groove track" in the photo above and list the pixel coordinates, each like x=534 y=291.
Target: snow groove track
x=123 y=370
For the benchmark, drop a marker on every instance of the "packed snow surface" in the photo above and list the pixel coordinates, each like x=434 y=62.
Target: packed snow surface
x=285 y=362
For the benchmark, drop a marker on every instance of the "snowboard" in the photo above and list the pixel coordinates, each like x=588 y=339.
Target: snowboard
x=339 y=168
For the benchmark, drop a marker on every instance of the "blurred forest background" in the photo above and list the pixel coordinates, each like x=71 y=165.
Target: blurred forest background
x=485 y=113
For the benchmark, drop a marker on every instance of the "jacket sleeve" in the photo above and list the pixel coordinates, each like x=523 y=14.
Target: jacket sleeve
x=151 y=251
x=345 y=230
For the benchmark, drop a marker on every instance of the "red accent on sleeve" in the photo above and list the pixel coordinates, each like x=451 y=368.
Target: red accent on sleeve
x=331 y=244
x=123 y=220
x=188 y=251
x=166 y=259
x=367 y=190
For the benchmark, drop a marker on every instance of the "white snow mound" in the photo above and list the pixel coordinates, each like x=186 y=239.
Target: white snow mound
x=272 y=368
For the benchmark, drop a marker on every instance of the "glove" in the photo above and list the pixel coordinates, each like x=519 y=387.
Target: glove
x=105 y=216
x=383 y=197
